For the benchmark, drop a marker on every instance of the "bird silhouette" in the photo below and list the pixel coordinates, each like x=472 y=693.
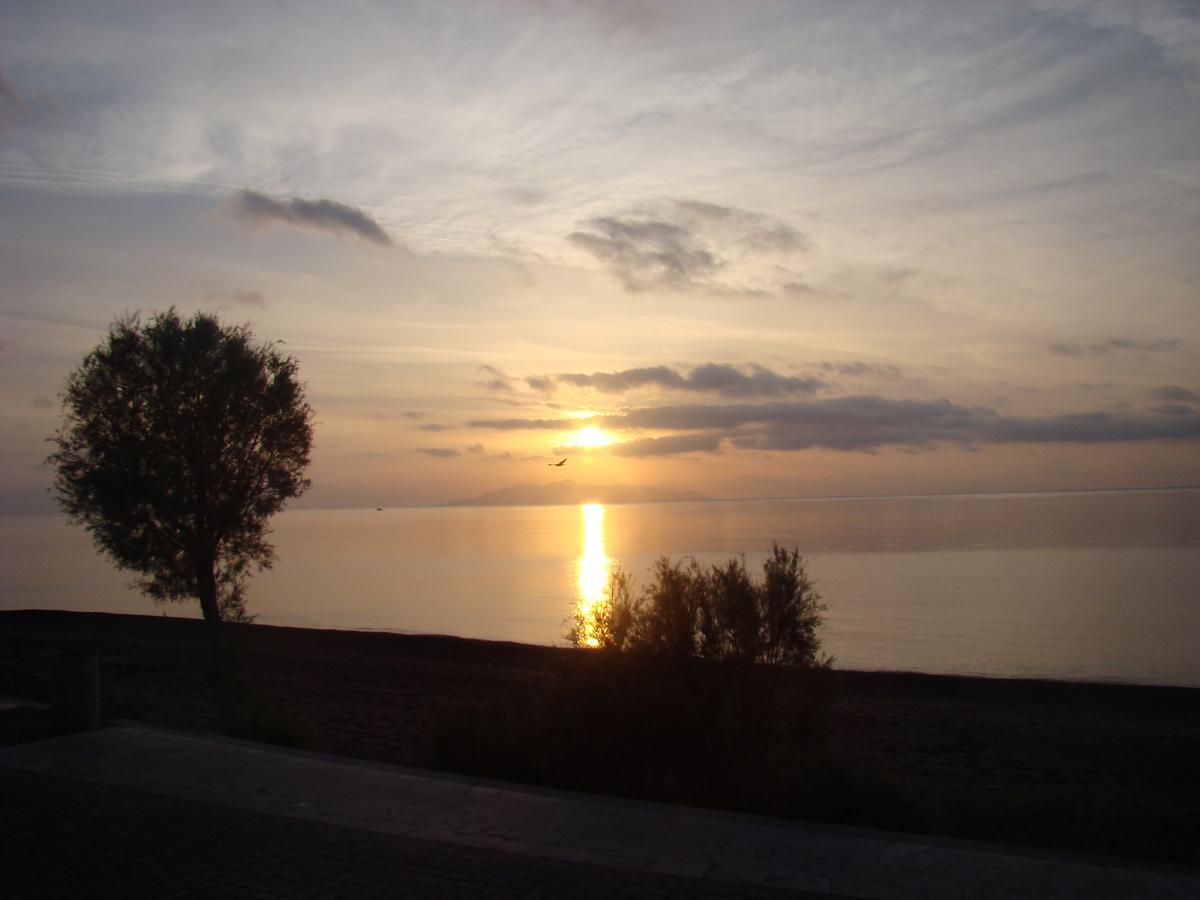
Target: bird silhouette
x=559 y=463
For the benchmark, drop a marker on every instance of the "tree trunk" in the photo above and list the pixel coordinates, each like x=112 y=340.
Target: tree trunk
x=206 y=584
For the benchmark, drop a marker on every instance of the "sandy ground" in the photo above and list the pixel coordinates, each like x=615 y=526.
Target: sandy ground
x=1110 y=768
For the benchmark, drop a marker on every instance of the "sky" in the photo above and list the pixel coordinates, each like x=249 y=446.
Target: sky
x=746 y=249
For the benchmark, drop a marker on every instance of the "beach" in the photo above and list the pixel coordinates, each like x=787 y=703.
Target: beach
x=1099 y=767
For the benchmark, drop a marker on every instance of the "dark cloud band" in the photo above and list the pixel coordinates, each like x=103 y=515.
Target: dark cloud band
x=439 y=452
x=724 y=380
x=863 y=423
x=1114 y=345
x=1173 y=393
x=326 y=215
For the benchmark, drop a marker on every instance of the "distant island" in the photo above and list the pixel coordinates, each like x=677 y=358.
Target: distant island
x=568 y=493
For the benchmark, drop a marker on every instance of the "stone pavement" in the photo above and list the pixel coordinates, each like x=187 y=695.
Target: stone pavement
x=133 y=810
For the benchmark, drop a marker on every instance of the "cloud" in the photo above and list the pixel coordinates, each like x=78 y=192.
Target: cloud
x=684 y=245
x=439 y=452
x=860 y=423
x=245 y=298
x=1175 y=394
x=1091 y=428
x=842 y=423
x=15 y=109
x=433 y=426
x=797 y=289
x=326 y=215
x=524 y=424
x=858 y=369
x=12 y=101
x=476 y=449
x=1173 y=26
x=1173 y=409
x=543 y=383
x=493 y=379
x=1114 y=345
x=647 y=255
x=869 y=423
x=749 y=231
x=669 y=446
x=250 y=298
x=718 y=378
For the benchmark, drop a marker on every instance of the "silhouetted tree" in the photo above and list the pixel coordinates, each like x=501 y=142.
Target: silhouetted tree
x=791 y=611
x=669 y=612
x=180 y=440
x=731 y=620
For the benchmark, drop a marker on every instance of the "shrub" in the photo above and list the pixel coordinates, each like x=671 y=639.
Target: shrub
x=719 y=613
x=610 y=624
x=701 y=687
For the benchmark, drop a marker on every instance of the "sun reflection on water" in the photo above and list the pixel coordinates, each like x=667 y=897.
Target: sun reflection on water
x=592 y=569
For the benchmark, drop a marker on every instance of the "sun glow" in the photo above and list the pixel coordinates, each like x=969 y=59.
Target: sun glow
x=592 y=567
x=591 y=436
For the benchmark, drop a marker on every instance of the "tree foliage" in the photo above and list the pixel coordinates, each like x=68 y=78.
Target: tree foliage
x=180 y=439
x=718 y=613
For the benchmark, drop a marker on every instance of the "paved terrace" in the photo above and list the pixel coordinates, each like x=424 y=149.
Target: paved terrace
x=133 y=810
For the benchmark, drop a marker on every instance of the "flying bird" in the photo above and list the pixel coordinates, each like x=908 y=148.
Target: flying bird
x=559 y=463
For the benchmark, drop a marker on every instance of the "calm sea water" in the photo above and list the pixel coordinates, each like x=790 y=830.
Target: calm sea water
x=1093 y=586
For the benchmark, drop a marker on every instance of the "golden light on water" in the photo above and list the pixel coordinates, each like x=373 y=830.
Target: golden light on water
x=592 y=568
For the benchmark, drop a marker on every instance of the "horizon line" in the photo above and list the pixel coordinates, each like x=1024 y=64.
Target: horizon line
x=454 y=504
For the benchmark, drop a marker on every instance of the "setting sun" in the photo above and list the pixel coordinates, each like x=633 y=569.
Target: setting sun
x=591 y=436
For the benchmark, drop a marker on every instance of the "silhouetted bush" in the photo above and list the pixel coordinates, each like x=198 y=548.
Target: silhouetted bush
x=719 y=613
x=706 y=687
x=610 y=624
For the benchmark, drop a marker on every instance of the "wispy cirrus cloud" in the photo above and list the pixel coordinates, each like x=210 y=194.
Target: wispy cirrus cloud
x=684 y=245
x=717 y=378
x=325 y=215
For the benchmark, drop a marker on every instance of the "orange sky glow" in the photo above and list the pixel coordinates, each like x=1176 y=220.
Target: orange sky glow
x=752 y=251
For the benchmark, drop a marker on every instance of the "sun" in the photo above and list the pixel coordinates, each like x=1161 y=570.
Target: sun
x=591 y=436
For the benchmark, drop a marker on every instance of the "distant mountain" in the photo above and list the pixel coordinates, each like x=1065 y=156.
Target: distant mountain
x=568 y=493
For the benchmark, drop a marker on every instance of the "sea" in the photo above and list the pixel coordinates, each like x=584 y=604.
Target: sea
x=1091 y=586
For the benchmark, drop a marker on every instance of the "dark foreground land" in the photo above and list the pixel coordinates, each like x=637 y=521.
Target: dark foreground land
x=1104 y=768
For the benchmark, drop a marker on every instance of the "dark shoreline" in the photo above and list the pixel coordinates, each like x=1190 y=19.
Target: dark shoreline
x=930 y=684
x=1079 y=765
